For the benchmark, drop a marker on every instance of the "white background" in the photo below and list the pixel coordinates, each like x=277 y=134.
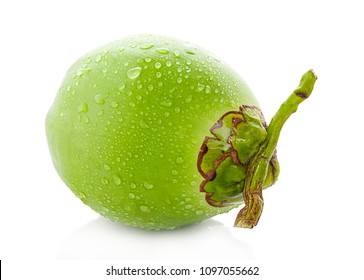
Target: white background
x=312 y=224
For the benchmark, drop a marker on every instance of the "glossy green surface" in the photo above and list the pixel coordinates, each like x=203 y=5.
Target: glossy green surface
x=127 y=125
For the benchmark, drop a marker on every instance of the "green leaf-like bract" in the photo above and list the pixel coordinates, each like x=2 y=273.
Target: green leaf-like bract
x=249 y=145
x=224 y=158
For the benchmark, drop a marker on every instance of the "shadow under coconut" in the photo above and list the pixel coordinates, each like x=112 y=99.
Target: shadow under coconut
x=103 y=239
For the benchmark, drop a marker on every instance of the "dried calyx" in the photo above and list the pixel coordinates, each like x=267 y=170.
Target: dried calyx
x=240 y=160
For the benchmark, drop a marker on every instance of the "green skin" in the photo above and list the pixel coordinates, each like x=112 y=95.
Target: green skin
x=127 y=125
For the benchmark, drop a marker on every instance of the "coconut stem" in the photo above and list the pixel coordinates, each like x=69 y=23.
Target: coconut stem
x=248 y=217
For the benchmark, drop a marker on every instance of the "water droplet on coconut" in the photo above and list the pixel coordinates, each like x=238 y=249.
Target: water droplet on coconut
x=83 y=108
x=194 y=184
x=104 y=210
x=99 y=99
x=166 y=103
x=116 y=179
x=144 y=208
x=148 y=186
x=179 y=160
x=81 y=195
x=121 y=87
x=188 y=99
x=162 y=50
x=79 y=72
x=134 y=73
x=157 y=65
x=143 y=124
x=107 y=167
x=146 y=46
x=114 y=104
x=200 y=87
x=104 y=181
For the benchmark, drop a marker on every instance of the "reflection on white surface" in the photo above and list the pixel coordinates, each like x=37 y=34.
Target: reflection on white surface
x=103 y=239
